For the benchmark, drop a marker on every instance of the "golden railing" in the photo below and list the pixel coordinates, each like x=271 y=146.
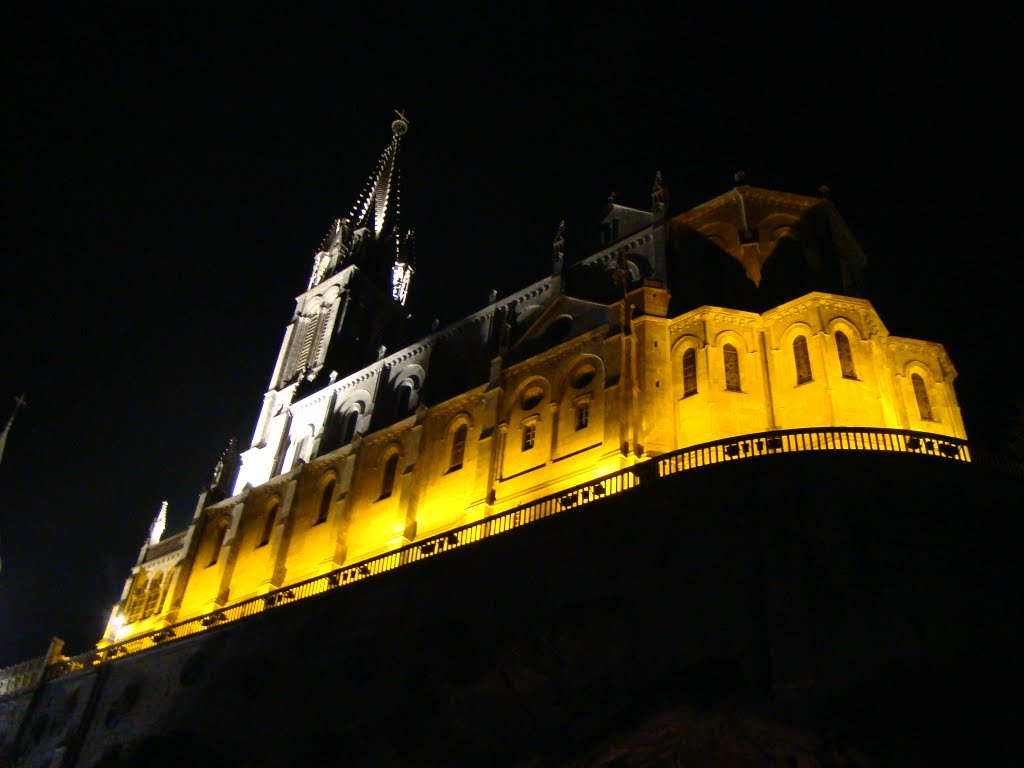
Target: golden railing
x=685 y=459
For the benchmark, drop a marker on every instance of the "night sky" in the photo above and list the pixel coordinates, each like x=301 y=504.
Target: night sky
x=168 y=175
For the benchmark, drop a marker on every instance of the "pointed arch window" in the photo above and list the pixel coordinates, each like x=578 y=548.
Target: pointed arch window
x=387 y=483
x=732 y=368
x=689 y=372
x=458 y=448
x=137 y=599
x=802 y=359
x=268 y=524
x=326 y=497
x=153 y=596
x=924 y=406
x=845 y=355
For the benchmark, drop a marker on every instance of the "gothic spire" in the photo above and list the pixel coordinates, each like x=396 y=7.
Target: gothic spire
x=156 y=530
x=373 y=218
x=659 y=196
x=381 y=193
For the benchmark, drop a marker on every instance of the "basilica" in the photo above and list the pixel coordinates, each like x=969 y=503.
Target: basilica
x=732 y=333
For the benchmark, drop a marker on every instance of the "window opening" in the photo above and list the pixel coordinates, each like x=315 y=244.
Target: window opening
x=325 y=502
x=803 y=360
x=153 y=596
x=137 y=601
x=845 y=356
x=924 y=407
x=349 y=430
x=732 y=368
x=582 y=415
x=529 y=436
x=689 y=372
x=458 y=448
x=388 y=481
x=404 y=400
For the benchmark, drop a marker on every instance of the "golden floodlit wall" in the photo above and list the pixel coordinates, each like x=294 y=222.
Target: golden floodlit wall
x=635 y=386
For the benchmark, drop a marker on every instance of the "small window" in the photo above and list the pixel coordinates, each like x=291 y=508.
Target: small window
x=689 y=372
x=529 y=436
x=845 y=356
x=268 y=524
x=220 y=532
x=387 y=484
x=325 y=502
x=458 y=448
x=732 y=368
x=924 y=407
x=802 y=359
x=582 y=415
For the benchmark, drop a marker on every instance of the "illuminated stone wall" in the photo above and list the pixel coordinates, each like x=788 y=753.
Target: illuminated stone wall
x=603 y=399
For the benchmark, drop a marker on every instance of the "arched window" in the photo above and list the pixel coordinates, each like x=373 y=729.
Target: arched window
x=732 y=368
x=268 y=525
x=404 y=399
x=803 y=360
x=348 y=426
x=924 y=407
x=326 y=497
x=387 y=483
x=458 y=448
x=136 y=600
x=845 y=356
x=220 y=531
x=153 y=595
x=689 y=372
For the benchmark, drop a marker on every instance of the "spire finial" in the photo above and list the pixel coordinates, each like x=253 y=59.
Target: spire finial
x=558 y=250
x=401 y=125
x=659 y=195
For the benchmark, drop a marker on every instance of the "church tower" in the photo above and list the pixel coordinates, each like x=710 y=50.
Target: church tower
x=348 y=316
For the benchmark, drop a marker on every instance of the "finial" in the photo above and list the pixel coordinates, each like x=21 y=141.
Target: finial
x=156 y=530
x=558 y=249
x=740 y=177
x=492 y=295
x=824 y=191
x=401 y=125
x=659 y=195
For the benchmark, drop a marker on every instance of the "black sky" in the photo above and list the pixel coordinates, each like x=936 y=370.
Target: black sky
x=168 y=173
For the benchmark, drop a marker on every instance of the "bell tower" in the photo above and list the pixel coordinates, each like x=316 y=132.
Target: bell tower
x=350 y=311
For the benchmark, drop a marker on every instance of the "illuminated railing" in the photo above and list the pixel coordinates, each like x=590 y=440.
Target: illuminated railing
x=717 y=452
